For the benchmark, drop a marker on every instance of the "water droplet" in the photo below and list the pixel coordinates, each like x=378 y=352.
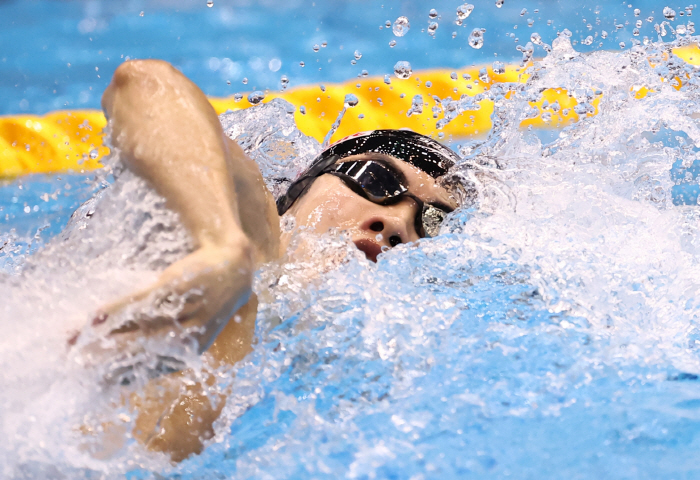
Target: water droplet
x=637 y=12
x=638 y=24
x=302 y=110
x=428 y=84
x=364 y=73
x=387 y=79
x=669 y=13
x=141 y=14
x=499 y=3
x=392 y=44
x=466 y=76
x=351 y=100
x=622 y=44
x=463 y=11
x=402 y=70
x=523 y=12
x=484 y=75
x=353 y=62
x=324 y=44
x=316 y=47
x=476 y=38
x=603 y=34
x=361 y=116
x=245 y=81
x=416 y=106
x=650 y=19
x=357 y=54
x=228 y=82
x=401 y=26
x=93 y=154
x=301 y=64
x=379 y=237
x=387 y=24
x=433 y=13
x=453 y=75
x=454 y=34
x=210 y=3
x=237 y=97
x=322 y=87
x=680 y=30
x=499 y=68
x=284 y=81
x=589 y=39
x=536 y=38
x=530 y=22
x=432 y=27
x=256 y=97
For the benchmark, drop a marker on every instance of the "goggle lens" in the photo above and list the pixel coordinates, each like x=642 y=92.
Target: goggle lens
x=381 y=185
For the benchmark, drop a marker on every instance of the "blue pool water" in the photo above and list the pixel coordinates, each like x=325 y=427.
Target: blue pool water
x=551 y=331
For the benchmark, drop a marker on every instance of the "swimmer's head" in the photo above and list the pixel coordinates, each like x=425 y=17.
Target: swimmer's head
x=380 y=186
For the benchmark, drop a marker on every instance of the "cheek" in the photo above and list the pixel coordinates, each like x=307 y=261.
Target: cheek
x=337 y=210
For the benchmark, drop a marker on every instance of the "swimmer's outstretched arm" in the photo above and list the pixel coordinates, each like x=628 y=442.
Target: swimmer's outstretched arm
x=167 y=132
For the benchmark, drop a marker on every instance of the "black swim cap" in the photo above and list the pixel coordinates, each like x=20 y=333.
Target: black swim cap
x=418 y=150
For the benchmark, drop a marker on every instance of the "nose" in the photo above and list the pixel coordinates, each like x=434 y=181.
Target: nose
x=396 y=223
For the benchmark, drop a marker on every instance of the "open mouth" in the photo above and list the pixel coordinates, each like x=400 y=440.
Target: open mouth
x=370 y=248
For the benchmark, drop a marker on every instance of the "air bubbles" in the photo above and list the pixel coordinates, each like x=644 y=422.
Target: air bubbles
x=453 y=75
x=364 y=74
x=589 y=39
x=302 y=110
x=301 y=64
x=680 y=30
x=94 y=154
x=244 y=81
x=351 y=100
x=523 y=12
x=401 y=26
x=322 y=87
x=536 y=38
x=431 y=28
x=256 y=97
x=637 y=12
x=316 y=47
x=392 y=43
x=324 y=44
x=403 y=70
x=387 y=79
x=499 y=68
x=237 y=97
x=357 y=54
x=669 y=13
x=499 y=3
x=476 y=38
x=210 y=3
x=433 y=13
x=388 y=24
x=603 y=34
x=284 y=81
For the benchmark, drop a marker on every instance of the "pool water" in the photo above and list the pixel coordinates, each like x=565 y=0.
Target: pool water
x=550 y=331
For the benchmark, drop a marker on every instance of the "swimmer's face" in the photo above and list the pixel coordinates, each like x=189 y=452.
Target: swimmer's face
x=330 y=203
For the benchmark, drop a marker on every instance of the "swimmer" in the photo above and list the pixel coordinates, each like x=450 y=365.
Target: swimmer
x=381 y=187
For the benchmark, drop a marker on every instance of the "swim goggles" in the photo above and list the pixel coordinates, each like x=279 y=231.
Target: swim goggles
x=376 y=181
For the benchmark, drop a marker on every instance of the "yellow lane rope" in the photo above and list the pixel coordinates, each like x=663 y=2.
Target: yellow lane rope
x=71 y=140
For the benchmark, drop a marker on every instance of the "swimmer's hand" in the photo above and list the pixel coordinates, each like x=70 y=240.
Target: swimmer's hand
x=180 y=314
